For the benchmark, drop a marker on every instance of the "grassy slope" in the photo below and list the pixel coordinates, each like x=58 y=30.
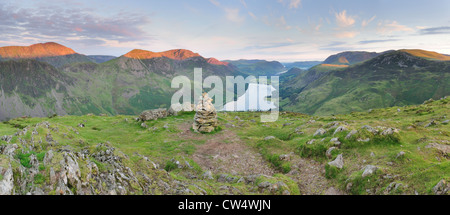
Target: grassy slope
x=418 y=170
x=395 y=78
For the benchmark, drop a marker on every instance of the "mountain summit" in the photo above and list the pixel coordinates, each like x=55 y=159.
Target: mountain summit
x=175 y=54
x=39 y=50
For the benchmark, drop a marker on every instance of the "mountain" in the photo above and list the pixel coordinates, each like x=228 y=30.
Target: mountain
x=30 y=87
x=176 y=54
x=350 y=57
x=427 y=54
x=302 y=64
x=129 y=84
x=100 y=58
x=395 y=78
x=258 y=67
x=291 y=73
x=52 y=53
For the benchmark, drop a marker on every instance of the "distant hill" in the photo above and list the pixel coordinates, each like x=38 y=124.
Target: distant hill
x=52 y=53
x=258 y=67
x=395 y=78
x=350 y=57
x=302 y=64
x=427 y=54
x=123 y=85
x=101 y=58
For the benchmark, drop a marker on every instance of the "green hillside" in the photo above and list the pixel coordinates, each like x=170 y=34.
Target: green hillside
x=392 y=79
x=406 y=147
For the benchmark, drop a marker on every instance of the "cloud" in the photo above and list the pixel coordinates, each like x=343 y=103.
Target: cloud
x=343 y=20
x=435 y=30
x=376 y=41
x=366 y=22
x=214 y=2
x=252 y=15
x=43 y=23
x=277 y=22
x=232 y=14
x=389 y=27
x=293 y=4
x=346 y=34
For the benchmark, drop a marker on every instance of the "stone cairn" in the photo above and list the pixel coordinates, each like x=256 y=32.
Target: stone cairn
x=205 y=120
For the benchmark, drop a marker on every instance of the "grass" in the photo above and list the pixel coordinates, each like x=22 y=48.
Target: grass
x=421 y=168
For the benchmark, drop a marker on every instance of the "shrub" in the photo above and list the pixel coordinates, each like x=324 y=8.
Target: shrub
x=170 y=165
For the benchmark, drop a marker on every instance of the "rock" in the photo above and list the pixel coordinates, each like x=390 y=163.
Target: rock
x=445 y=122
x=369 y=170
x=428 y=101
x=394 y=186
x=10 y=149
x=363 y=140
x=320 y=131
x=172 y=112
x=269 y=138
x=430 y=124
x=338 y=162
x=370 y=129
x=328 y=153
x=311 y=121
x=285 y=157
x=264 y=184
x=340 y=129
x=48 y=157
x=310 y=142
x=332 y=125
x=332 y=192
x=222 y=178
x=350 y=134
x=349 y=187
x=6 y=138
x=372 y=154
x=336 y=141
x=400 y=154
x=441 y=188
x=153 y=114
x=398 y=110
x=205 y=119
x=389 y=131
x=7 y=184
x=144 y=125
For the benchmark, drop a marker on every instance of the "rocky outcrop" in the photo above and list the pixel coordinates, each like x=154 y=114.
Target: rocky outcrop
x=38 y=165
x=205 y=119
x=156 y=114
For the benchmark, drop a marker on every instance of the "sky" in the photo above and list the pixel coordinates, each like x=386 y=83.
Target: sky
x=282 y=30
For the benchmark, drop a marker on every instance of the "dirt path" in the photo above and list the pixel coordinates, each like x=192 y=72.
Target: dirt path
x=310 y=176
x=225 y=152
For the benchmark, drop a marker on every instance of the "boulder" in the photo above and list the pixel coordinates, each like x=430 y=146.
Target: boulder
x=328 y=153
x=338 y=162
x=320 y=131
x=7 y=184
x=154 y=114
x=269 y=138
x=369 y=170
x=441 y=188
x=350 y=134
x=340 y=129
